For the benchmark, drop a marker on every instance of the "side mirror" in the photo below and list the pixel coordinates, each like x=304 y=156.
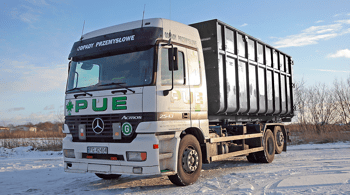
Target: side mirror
x=173 y=56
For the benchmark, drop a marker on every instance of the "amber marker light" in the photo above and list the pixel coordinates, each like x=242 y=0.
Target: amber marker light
x=89 y=157
x=143 y=156
x=114 y=158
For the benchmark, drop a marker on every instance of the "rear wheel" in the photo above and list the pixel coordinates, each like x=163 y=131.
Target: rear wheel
x=268 y=154
x=279 y=138
x=189 y=162
x=107 y=176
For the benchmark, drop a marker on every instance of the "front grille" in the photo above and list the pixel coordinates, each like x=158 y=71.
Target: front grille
x=73 y=123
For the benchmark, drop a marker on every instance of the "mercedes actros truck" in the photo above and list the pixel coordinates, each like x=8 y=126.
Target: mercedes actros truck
x=157 y=97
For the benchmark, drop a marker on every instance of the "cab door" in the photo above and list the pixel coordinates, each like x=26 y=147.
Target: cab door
x=197 y=104
x=174 y=108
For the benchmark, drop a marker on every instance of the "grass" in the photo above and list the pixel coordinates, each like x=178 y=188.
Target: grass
x=31 y=134
x=42 y=144
x=328 y=133
x=43 y=140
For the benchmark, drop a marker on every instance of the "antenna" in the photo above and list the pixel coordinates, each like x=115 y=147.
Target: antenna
x=82 y=32
x=170 y=35
x=144 y=8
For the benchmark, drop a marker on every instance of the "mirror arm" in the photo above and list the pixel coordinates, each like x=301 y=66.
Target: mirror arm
x=166 y=92
x=76 y=85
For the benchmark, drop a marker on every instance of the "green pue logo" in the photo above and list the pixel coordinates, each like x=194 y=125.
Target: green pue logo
x=118 y=103
x=69 y=107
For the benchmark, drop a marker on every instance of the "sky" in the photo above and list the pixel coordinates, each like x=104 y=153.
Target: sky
x=36 y=37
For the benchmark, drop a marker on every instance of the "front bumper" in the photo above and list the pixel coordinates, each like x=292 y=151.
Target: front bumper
x=158 y=161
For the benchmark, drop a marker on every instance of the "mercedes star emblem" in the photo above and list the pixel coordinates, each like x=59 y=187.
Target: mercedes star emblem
x=98 y=125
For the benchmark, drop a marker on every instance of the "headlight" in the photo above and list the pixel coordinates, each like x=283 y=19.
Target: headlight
x=69 y=153
x=136 y=156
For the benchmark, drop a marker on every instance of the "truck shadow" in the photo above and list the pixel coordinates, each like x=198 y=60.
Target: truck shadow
x=130 y=184
x=147 y=184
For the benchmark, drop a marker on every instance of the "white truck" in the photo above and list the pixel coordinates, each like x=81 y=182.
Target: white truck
x=157 y=97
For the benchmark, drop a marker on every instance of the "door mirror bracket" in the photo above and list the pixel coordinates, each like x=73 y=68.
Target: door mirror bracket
x=173 y=65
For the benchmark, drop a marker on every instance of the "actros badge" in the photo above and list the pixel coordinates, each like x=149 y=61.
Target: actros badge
x=98 y=125
x=131 y=117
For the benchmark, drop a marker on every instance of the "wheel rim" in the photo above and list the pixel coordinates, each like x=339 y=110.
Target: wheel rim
x=190 y=160
x=280 y=138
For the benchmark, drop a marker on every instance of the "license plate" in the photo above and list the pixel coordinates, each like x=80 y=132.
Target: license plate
x=97 y=150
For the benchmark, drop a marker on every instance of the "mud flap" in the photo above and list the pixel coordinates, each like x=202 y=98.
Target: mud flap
x=287 y=139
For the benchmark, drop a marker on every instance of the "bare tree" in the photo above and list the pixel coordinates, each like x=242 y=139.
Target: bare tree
x=342 y=93
x=3 y=123
x=60 y=116
x=29 y=124
x=300 y=101
x=321 y=106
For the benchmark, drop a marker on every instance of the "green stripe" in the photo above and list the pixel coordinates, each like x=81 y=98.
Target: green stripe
x=165 y=170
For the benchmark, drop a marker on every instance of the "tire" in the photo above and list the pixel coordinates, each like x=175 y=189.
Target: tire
x=108 y=176
x=189 y=164
x=252 y=158
x=279 y=139
x=268 y=154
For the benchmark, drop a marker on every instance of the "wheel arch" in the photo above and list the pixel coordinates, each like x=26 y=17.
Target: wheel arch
x=196 y=132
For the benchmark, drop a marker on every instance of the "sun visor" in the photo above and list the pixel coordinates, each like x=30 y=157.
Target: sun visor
x=115 y=43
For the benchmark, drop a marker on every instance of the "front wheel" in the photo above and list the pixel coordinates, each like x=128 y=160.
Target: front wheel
x=107 y=176
x=189 y=162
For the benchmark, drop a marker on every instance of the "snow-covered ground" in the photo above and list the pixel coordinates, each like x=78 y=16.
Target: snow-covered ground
x=304 y=169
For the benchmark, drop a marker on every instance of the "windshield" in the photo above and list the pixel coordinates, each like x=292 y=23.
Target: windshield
x=130 y=69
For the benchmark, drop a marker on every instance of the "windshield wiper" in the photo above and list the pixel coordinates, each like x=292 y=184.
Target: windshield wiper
x=79 y=89
x=118 y=84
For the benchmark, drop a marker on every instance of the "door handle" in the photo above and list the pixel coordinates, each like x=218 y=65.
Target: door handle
x=185 y=115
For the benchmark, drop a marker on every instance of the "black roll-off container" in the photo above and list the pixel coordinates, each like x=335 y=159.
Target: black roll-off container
x=247 y=80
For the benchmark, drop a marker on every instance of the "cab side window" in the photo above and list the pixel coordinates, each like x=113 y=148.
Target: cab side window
x=194 y=77
x=179 y=78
